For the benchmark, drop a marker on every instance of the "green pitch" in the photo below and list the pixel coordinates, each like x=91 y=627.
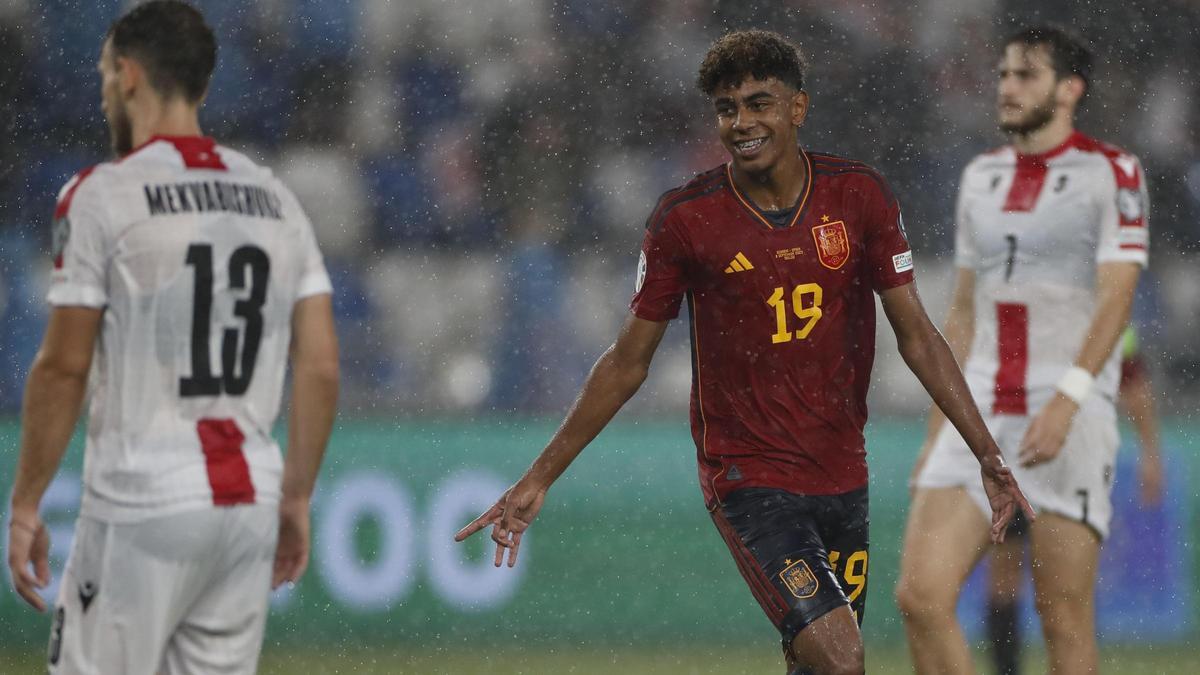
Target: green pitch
x=731 y=661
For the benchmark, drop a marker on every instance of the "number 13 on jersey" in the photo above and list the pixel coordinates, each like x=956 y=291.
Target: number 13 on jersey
x=805 y=304
x=236 y=368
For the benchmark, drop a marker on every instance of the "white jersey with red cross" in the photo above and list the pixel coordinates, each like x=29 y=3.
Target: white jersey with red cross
x=197 y=257
x=1033 y=229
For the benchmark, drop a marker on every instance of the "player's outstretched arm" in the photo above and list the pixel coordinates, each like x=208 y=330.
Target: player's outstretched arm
x=53 y=397
x=314 y=356
x=1115 y=286
x=616 y=377
x=930 y=359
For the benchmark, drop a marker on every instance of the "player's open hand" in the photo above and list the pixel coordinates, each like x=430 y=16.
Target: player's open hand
x=1004 y=495
x=29 y=545
x=291 y=552
x=1046 y=434
x=509 y=517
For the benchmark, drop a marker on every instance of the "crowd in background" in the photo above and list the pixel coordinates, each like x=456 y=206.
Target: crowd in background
x=478 y=172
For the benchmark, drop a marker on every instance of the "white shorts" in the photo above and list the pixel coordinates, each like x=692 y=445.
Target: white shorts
x=1076 y=484
x=184 y=593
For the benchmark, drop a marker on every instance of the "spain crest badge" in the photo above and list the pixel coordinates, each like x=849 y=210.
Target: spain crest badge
x=833 y=244
x=800 y=580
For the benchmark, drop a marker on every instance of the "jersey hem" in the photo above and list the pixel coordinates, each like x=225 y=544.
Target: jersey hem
x=97 y=508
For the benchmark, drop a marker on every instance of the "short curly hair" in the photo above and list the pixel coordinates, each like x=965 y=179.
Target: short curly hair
x=758 y=54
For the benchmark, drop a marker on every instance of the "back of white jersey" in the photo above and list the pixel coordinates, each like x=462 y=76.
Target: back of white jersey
x=1033 y=229
x=197 y=256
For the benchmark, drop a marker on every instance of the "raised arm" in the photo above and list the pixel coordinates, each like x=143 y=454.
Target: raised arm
x=616 y=377
x=1115 y=286
x=53 y=398
x=931 y=360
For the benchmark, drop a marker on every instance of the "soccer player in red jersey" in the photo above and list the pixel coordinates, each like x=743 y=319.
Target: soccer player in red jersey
x=778 y=254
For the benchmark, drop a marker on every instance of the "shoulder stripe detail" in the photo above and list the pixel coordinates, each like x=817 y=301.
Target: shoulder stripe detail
x=1125 y=167
x=835 y=161
x=64 y=202
x=864 y=171
x=673 y=198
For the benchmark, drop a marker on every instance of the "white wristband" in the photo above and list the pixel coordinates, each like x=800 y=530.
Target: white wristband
x=1076 y=384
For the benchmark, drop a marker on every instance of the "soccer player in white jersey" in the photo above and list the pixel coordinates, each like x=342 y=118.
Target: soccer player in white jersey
x=183 y=276
x=1051 y=238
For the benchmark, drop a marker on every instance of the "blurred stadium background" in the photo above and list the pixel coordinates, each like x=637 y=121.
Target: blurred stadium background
x=478 y=173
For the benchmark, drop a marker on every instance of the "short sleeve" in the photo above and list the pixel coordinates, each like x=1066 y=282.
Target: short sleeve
x=661 y=273
x=313 y=278
x=1124 y=214
x=966 y=255
x=888 y=254
x=81 y=246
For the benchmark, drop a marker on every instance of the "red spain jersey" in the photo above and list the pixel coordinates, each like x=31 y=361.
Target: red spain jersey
x=782 y=321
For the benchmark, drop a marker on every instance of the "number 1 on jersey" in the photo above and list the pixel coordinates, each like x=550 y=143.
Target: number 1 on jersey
x=236 y=369
x=810 y=311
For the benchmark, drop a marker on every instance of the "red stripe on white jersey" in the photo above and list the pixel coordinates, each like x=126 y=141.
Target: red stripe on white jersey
x=1012 y=346
x=1027 y=184
x=198 y=152
x=228 y=474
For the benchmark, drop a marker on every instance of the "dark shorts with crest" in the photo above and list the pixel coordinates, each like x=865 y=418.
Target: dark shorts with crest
x=802 y=555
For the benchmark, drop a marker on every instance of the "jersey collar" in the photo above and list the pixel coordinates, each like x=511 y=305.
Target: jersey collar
x=1074 y=140
x=753 y=210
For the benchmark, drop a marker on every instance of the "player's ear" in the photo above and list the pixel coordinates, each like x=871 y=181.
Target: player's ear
x=1072 y=88
x=799 y=107
x=130 y=75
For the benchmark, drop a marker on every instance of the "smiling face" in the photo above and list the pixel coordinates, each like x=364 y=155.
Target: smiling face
x=757 y=121
x=1028 y=91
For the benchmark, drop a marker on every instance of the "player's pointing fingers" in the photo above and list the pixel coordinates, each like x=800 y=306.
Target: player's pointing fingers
x=489 y=517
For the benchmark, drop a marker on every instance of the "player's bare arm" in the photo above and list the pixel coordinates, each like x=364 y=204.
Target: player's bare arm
x=931 y=360
x=616 y=377
x=1115 y=286
x=54 y=394
x=314 y=356
x=958 y=330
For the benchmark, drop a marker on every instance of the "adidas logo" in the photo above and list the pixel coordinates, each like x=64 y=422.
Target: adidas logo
x=740 y=263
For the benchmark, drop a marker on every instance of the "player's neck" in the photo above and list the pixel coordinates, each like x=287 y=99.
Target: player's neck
x=776 y=188
x=165 y=118
x=1044 y=139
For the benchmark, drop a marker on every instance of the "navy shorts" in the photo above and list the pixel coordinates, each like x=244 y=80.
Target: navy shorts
x=802 y=555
